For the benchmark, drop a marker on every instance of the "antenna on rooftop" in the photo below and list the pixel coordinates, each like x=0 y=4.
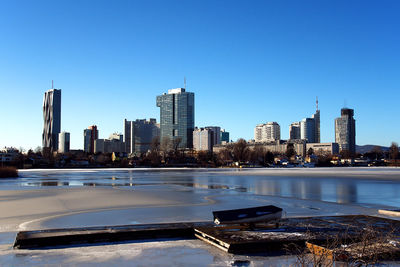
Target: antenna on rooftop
x=52 y=84
x=184 y=82
x=345 y=103
x=317 y=103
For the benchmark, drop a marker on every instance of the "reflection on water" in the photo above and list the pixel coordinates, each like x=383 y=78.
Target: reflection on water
x=333 y=189
x=346 y=192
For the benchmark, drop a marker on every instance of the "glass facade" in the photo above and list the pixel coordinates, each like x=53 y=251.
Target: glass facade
x=308 y=130
x=177 y=116
x=139 y=134
x=345 y=131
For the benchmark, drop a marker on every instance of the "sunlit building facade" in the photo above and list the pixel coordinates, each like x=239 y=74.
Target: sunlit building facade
x=177 y=116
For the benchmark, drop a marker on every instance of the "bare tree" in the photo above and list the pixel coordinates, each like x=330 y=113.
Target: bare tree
x=155 y=144
x=257 y=154
x=394 y=151
x=165 y=146
x=290 y=151
x=240 y=150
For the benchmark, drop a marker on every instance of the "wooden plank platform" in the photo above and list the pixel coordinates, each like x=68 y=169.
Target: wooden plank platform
x=104 y=234
x=295 y=231
x=232 y=239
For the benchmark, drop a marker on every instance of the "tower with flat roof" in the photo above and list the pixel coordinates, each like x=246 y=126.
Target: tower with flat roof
x=177 y=116
x=345 y=131
x=51 y=119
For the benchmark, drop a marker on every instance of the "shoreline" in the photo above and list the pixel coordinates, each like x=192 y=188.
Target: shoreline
x=379 y=173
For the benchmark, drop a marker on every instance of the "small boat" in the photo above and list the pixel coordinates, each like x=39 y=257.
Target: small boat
x=249 y=215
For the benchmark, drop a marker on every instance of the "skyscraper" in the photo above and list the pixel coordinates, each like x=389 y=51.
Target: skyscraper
x=139 y=134
x=294 y=131
x=345 y=131
x=317 y=128
x=310 y=127
x=51 y=118
x=177 y=116
x=89 y=136
x=307 y=130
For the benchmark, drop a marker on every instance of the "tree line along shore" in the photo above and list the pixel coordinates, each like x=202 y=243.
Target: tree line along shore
x=235 y=154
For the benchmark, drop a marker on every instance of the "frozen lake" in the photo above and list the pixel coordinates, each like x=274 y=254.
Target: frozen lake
x=42 y=199
x=376 y=186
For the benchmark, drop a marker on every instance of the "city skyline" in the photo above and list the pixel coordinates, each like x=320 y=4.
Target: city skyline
x=247 y=63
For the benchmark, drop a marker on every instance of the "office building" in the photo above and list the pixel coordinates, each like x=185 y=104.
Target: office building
x=345 y=131
x=139 y=135
x=52 y=119
x=63 y=142
x=216 y=134
x=114 y=143
x=294 y=131
x=89 y=136
x=224 y=136
x=307 y=130
x=267 y=132
x=177 y=116
x=203 y=139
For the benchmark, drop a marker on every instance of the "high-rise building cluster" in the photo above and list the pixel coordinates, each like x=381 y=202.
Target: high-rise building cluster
x=177 y=125
x=308 y=131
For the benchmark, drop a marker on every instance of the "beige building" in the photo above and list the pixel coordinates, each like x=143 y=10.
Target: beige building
x=323 y=148
x=274 y=147
x=203 y=139
x=267 y=132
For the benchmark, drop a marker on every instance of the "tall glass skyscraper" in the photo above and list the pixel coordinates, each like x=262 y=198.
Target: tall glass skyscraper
x=345 y=131
x=177 y=116
x=51 y=119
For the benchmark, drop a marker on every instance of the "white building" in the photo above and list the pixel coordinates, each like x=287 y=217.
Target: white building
x=63 y=142
x=307 y=130
x=203 y=139
x=267 y=132
x=113 y=144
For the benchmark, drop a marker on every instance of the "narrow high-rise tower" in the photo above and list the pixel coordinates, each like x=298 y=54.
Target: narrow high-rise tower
x=51 y=119
x=345 y=131
x=317 y=129
x=177 y=116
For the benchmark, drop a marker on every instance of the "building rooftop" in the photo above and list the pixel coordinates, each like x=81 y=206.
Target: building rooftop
x=176 y=91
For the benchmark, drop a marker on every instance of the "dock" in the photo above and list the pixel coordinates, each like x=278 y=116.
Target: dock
x=104 y=234
x=231 y=239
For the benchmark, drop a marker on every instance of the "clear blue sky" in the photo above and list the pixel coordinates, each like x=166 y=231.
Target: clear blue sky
x=247 y=62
